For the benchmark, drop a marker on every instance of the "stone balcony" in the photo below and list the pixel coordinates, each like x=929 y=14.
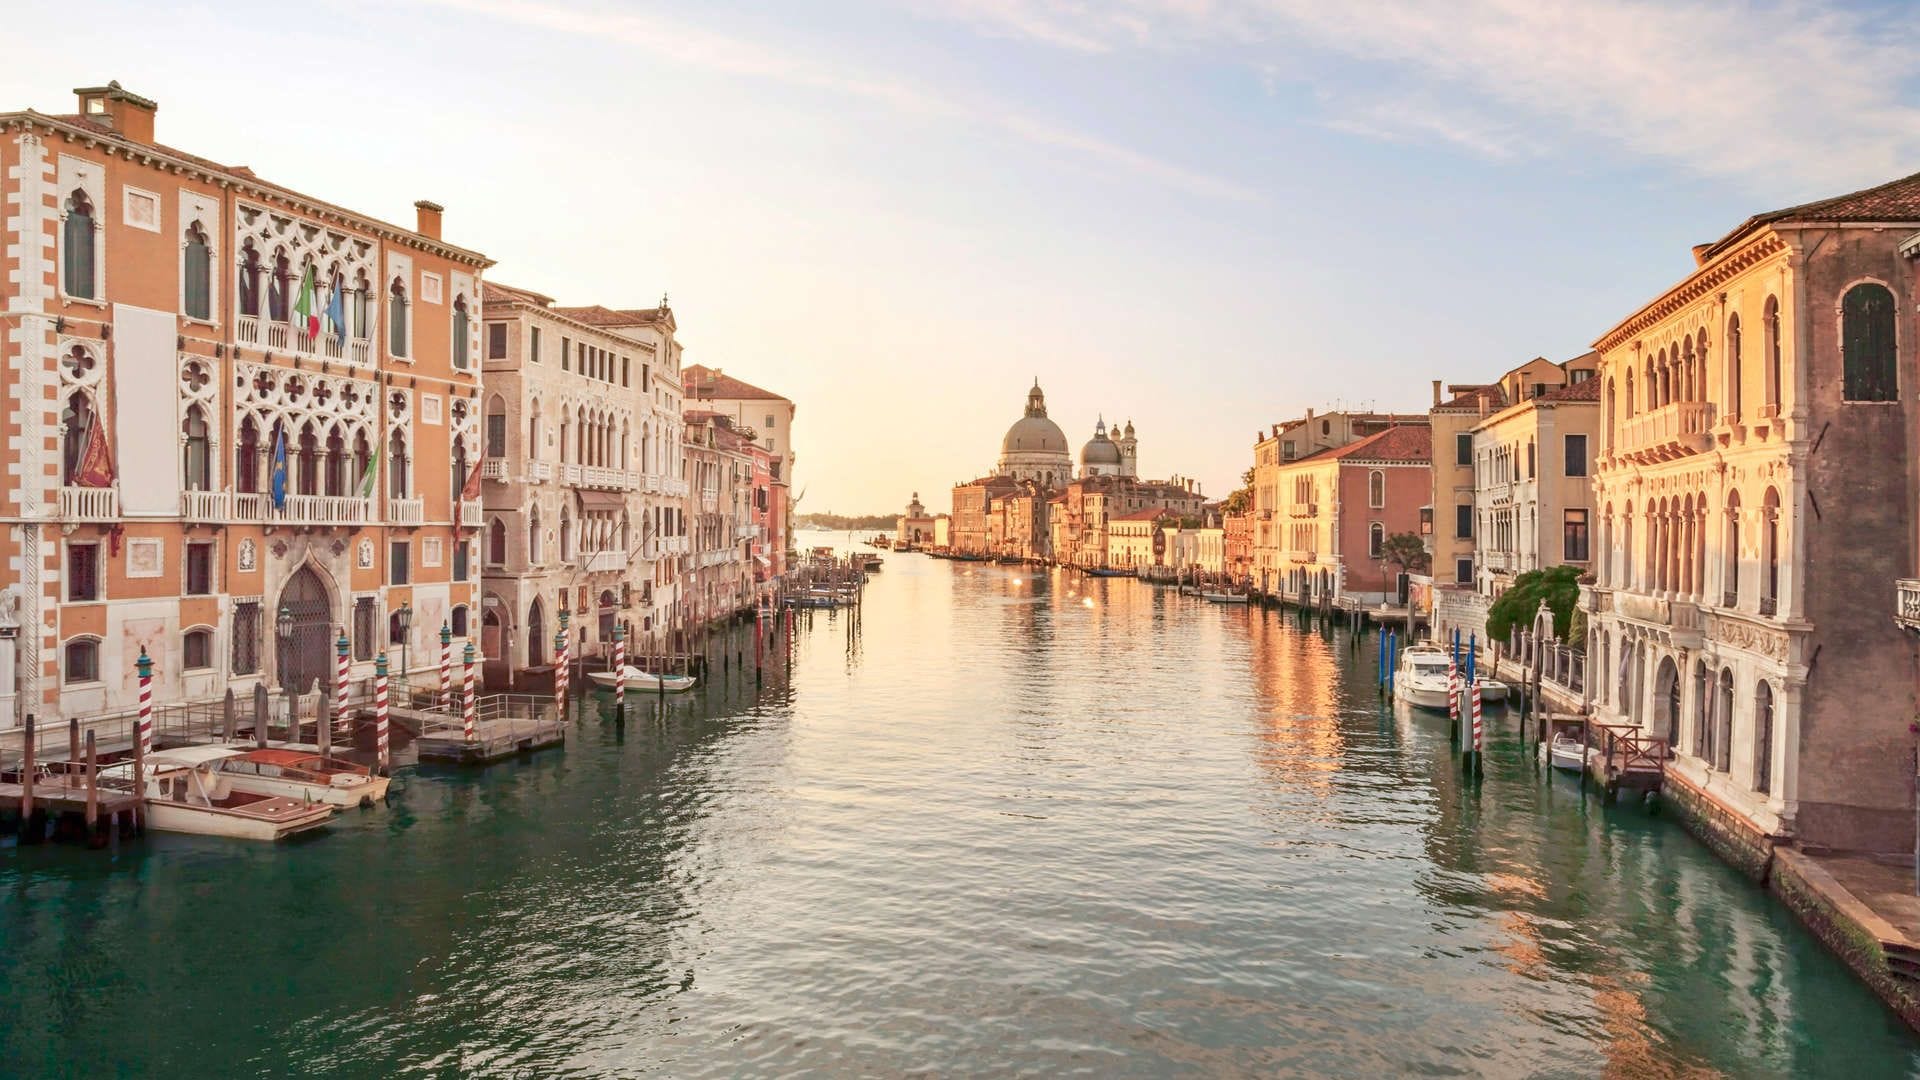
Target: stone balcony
x=405 y=512
x=274 y=335
x=597 y=476
x=472 y=515
x=493 y=469
x=538 y=472
x=1682 y=616
x=1906 y=603
x=1670 y=431
x=302 y=509
x=604 y=562
x=650 y=483
x=89 y=503
x=205 y=506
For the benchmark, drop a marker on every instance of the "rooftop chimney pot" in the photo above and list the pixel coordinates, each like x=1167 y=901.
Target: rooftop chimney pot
x=127 y=113
x=427 y=218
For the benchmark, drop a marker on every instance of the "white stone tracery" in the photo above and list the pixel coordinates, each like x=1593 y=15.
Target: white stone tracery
x=269 y=236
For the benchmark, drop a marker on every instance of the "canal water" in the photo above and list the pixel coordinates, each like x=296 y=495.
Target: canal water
x=998 y=823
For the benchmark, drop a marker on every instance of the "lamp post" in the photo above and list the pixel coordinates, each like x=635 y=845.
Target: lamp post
x=405 y=615
x=283 y=632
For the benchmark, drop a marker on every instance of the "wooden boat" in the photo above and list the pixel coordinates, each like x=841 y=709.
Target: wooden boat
x=1421 y=680
x=305 y=774
x=646 y=681
x=872 y=564
x=1224 y=597
x=1107 y=571
x=185 y=792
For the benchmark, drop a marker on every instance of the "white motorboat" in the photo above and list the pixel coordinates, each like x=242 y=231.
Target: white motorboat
x=302 y=773
x=1566 y=753
x=1491 y=690
x=1224 y=597
x=1421 y=680
x=186 y=792
x=645 y=681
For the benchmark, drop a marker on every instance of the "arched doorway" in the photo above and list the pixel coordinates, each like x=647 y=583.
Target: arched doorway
x=536 y=635
x=1666 y=702
x=306 y=642
x=493 y=635
x=606 y=617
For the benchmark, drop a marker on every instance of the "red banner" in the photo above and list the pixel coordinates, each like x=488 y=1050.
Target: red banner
x=95 y=467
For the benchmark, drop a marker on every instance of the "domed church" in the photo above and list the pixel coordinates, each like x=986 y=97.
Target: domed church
x=1035 y=448
x=1110 y=456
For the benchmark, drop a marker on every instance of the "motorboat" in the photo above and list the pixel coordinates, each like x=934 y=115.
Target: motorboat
x=303 y=773
x=645 y=681
x=1491 y=690
x=1107 y=571
x=1224 y=597
x=186 y=791
x=1567 y=753
x=1422 y=679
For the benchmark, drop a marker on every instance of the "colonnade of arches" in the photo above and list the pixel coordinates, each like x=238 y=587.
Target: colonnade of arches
x=1663 y=548
x=1706 y=714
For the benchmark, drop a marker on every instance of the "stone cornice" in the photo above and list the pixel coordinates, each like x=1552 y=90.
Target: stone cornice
x=149 y=154
x=1703 y=282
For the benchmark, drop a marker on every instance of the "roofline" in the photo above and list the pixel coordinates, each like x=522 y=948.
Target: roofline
x=254 y=185
x=1702 y=281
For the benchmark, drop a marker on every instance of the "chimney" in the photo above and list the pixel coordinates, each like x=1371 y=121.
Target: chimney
x=426 y=216
x=128 y=114
x=1436 y=393
x=1700 y=254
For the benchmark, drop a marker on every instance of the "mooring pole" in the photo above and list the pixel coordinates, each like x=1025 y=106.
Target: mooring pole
x=381 y=762
x=619 y=673
x=93 y=787
x=26 y=781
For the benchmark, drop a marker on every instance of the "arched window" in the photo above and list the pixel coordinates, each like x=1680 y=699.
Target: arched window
x=535 y=553
x=337 y=463
x=1666 y=376
x=82 y=661
x=1775 y=368
x=246 y=457
x=460 y=331
x=1612 y=416
x=1702 y=713
x=457 y=620
x=196 y=274
x=1376 y=489
x=397 y=318
x=397 y=465
x=1770 y=552
x=537 y=643
x=307 y=468
x=497 y=543
x=77 y=255
x=1376 y=539
x=1763 y=737
x=76 y=421
x=1629 y=398
x=196 y=649
x=249 y=289
x=1733 y=366
x=459 y=481
x=280 y=288
x=1683 y=388
x=195 y=465
x=496 y=427
x=358 y=312
x=1730 y=555
x=1533 y=454
x=1652 y=389
x=1867 y=343
x=1723 y=723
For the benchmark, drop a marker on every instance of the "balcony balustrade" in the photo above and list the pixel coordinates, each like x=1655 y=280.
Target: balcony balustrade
x=650 y=483
x=606 y=562
x=280 y=336
x=472 y=515
x=538 y=472
x=204 y=505
x=598 y=476
x=246 y=329
x=405 y=512
x=89 y=504
x=571 y=473
x=302 y=509
x=746 y=532
x=1906 y=603
x=1670 y=431
x=493 y=469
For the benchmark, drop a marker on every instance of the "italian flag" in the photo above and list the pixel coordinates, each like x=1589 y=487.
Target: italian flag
x=307 y=306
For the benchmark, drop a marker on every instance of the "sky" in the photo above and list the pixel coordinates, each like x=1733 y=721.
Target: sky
x=1201 y=215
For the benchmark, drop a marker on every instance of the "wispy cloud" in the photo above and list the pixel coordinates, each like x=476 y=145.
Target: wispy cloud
x=680 y=42
x=1780 y=90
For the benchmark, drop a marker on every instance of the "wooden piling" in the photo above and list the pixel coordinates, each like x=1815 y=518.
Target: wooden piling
x=323 y=726
x=26 y=783
x=230 y=716
x=73 y=738
x=139 y=780
x=260 y=715
x=93 y=788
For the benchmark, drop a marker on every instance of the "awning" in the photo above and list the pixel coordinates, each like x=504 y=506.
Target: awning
x=602 y=500
x=763 y=560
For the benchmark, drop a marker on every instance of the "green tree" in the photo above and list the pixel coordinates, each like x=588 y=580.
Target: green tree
x=1241 y=500
x=1559 y=586
x=1406 y=551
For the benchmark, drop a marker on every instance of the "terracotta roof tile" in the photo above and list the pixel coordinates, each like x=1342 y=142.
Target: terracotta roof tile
x=1584 y=390
x=1895 y=200
x=1411 y=443
x=705 y=384
x=492 y=292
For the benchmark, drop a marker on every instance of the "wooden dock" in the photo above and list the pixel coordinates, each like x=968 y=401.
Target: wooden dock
x=505 y=726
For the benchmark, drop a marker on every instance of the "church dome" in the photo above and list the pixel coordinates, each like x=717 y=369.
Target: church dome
x=1034 y=433
x=1099 y=450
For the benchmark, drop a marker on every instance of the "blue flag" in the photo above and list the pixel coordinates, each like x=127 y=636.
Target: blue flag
x=337 y=310
x=280 y=469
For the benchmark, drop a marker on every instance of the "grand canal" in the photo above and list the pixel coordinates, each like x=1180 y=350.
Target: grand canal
x=999 y=823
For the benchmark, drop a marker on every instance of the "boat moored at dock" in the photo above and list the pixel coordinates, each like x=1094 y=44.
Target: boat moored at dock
x=645 y=681
x=303 y=773
x=186 y=791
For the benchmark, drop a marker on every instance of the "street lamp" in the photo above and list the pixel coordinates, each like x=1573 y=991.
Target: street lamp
x=405 y=615
x=283 y=626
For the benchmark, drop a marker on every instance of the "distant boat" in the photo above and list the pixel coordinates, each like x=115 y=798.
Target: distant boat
x=645 y=680
x=872 y=564
x=1107 y=571
x=1224 y=597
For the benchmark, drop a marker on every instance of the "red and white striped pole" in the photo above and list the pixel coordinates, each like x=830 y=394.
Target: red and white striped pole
x=560 y=665
x=144 y=666
x=341 y=647
x=1478 y=765
x=446 y=666
x=381 y=760
x=619 y=672
x=467 y=700
x=1453 y=696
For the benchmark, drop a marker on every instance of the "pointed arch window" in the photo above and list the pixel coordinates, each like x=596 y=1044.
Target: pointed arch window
x=280 y=288
x=249 y=289
x=196 y=274
x=535 y=554
x=196 y=464
x=397 y=465
x=77 y=421
x=337 y=464
x=78 y=256
x=1867 y=343
x=1733 y=366
x=497 y=543
x=246 y=457
x=307 y=468
x=1775 y=368
x=397 y=318
x=357 y=310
